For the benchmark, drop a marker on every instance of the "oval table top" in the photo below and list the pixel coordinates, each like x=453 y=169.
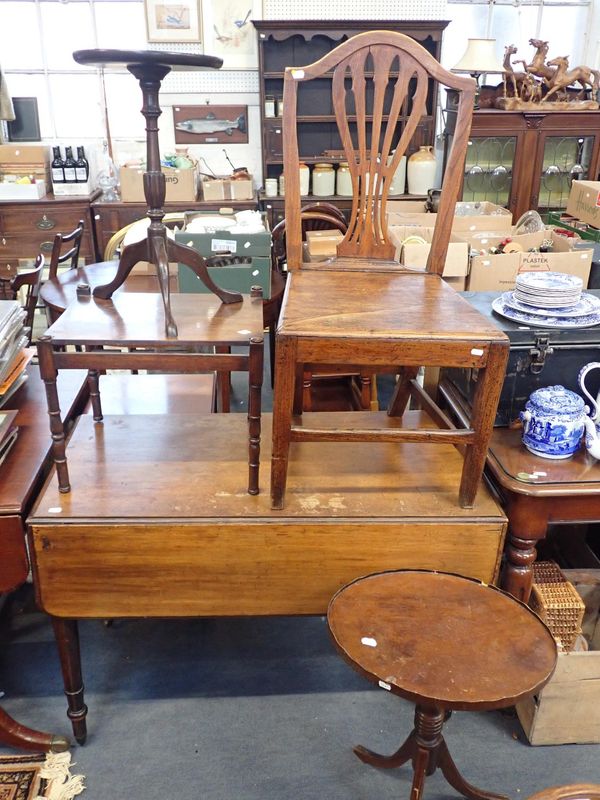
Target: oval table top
x=98 y=57
x=442 y=639
x=58 y=292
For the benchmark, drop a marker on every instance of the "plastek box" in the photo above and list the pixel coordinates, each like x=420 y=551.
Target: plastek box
x=584 y=202
x=182 y=184
x=414 y=254
x=499 y=272
x=227 y=189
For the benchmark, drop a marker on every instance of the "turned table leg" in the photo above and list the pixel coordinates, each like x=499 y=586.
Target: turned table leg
x=527 y=525
x=13 y=734
x=67 y=640
x=427 y=749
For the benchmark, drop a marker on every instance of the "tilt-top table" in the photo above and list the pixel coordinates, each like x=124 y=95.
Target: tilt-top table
x=150 y=67
x=445 y=643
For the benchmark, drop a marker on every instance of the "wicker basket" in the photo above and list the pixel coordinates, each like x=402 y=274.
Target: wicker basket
x=556 y=601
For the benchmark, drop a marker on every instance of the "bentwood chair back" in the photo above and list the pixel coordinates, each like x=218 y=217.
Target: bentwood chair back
x=70 y=256
x=380 y=316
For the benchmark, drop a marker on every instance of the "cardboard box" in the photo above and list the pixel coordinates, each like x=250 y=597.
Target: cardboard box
x=22 y=191
x=414 y=255
x=181 y=184
x=226 y=189
x=235 y=277
x=322 y=244
x=567 y=710
x=73 y=189
x=484 y=217
x=584 y=202
x=25 y=159
x=227 y=243
x=458 y=283
x=491 y=273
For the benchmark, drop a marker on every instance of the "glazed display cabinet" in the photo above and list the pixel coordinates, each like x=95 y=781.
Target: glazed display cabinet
x=284 y=43
x=528 y=160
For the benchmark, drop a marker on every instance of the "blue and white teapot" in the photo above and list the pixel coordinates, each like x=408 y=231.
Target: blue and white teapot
x=592 y=422
x=553 y=422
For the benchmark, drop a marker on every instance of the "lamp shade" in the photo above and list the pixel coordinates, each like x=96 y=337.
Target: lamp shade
x=480 y=56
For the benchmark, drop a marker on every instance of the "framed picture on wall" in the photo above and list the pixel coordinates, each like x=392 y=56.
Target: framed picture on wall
x=229 y=32
x=179 y=21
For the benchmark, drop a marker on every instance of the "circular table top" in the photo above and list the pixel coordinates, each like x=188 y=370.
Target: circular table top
x=440 y=638
x=177 y=61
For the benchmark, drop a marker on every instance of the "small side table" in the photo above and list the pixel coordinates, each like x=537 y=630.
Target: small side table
x=446 y=643
x=134 y=322
x=536 y=492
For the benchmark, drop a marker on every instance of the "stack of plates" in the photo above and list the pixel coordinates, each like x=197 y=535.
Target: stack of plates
x=549 y=300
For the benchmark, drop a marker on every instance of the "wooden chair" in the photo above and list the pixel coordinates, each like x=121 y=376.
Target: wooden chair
x=32 y=280
x=363 y=309
x=71 y=255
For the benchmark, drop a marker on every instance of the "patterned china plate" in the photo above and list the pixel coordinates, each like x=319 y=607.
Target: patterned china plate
x=544 y=322
x=589 y=304
x=549 y=281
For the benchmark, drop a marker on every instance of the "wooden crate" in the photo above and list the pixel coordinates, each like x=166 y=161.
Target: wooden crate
x=567 y=710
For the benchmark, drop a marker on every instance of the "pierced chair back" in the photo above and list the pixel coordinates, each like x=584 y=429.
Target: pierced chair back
x=71 y=255
x=32 y=280
x=381 y=86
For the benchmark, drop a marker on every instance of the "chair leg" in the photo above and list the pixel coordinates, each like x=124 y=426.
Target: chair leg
x=299 y=390
x=223 y=384
x=485 y=403
x=283 y=401
x=401 y=395
x=307 y=378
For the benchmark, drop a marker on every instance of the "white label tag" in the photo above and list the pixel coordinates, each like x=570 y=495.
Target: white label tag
x=223 y=246
x=385 y=686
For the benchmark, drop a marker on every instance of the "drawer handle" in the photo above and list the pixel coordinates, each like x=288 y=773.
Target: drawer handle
x=46 y=247
x=46 y=224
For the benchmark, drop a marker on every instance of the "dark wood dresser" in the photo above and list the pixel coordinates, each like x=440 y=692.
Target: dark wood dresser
x=28 y=227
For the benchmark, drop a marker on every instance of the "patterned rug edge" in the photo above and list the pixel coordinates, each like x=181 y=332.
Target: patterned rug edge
x=39 y=777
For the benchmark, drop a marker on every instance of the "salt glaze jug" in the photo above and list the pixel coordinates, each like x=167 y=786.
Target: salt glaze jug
x=553 y=422
x=591 y=421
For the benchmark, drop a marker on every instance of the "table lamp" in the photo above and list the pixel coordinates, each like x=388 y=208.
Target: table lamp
x=479 y=57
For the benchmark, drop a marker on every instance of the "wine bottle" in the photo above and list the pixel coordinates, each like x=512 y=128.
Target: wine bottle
x=58 y=173
x=69 y=166
x=82 y=167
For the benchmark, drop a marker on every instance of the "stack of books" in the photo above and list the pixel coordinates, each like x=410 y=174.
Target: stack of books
x=14 y=356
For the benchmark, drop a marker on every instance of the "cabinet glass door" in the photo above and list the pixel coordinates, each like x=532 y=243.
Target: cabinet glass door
x=489 y=169
x=565 y=159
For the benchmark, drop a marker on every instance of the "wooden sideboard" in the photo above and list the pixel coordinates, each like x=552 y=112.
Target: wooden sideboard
x=28 y=227
x=111 y=217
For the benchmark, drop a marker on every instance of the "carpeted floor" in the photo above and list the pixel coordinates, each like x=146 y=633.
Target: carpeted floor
x=259 y=709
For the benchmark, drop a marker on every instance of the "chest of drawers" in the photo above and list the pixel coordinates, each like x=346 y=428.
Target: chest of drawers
x=28 y=227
